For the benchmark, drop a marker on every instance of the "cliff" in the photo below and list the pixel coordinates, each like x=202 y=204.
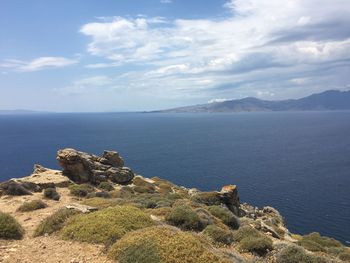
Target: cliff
x=97 y=210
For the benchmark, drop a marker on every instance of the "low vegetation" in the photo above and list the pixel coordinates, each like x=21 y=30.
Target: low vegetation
x=207 y=198
x=219 y=235
x=105 y=226
x=295 y=254
x=185 y=218
x=31 y=206
x=225 y=215
x=106 y=186
x=54 y=222
x=251 y=240
x=9 y=227
x=163 y=245
x=51 y=193
x=81 y=190
x=101 y=202
x=142 y=186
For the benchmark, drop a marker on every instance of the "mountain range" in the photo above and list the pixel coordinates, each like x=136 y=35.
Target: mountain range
x=328 y=100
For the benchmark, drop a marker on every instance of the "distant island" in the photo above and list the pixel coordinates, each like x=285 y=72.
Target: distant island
x=328 y=100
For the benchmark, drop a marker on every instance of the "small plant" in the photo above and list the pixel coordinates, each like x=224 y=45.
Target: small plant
x=207 y=198
x=101 y=194
x=31 y=206
x=14 y=188
x=246 y=231
x=258 y=245
x=80 y=190
x=163 y=245
x=100 y=202
x=316 y=242
x=105 y=226
x=54 y=222
x=185 y=217
x=142 y=186
x=51 y=193
x=226 y=216
x=9 y=227
x=295 y=254
x=106 y=186
x=219 y=235
x=345 y=256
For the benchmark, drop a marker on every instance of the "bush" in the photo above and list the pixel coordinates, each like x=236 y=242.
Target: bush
x=316 y=242
x=185 y=218
x=162 y=245
x=142 y=186
x=345 y=256
x=106 y=186
x=31 y=206
x=54 y=222
x=100 y=202
x=246 y=231
x=51 y=193
x=218 y=234
x=207 y=198
x=101 y=194
x=124 y=192
x=80 y=190
x=257 y=245
x=295 y=254
x=14 y=188
x=105 y=226
x=9 y=227
x=226 y=216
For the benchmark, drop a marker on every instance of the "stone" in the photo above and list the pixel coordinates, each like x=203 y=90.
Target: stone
x=82 y=167
x=122 y=175
x=229 y=196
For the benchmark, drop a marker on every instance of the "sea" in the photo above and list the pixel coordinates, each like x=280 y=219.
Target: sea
x=297 y=162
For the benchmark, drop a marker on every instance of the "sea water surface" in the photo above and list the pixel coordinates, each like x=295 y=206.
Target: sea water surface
x=298 y=162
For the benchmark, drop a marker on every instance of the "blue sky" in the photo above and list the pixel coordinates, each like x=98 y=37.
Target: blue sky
x=125 y=55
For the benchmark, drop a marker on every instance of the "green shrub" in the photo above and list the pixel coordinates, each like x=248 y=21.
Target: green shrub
x=14 y=188
x=295 y=254
x=226 y=216
x=185 y=217
x=207 y=198
x=54 y=222
x=316 y=242
x=101 y=194
x=51 y=193
x=100 y=202
x=162 y=245
x=246 y=231
x=150 y=201
x=31 y=206
x=257 y=245
x=9 y=227
x=345 y=256
x=124 y=192
x=218 y=234
x=80 y=190
x=106 y=186
x=106 y=226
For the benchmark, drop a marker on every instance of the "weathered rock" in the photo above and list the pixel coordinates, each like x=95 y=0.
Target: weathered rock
x=112 y=158
x=82 y=167
x=122 y=175
x=227 y=196
x=43 y=178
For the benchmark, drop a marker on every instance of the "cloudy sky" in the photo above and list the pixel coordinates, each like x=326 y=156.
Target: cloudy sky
x=125 y=55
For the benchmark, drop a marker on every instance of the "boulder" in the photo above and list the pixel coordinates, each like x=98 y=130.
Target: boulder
x=82 y=167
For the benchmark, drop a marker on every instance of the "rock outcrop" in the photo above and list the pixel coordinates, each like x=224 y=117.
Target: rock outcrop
x=82 y=167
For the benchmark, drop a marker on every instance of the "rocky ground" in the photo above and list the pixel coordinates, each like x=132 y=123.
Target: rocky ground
x=156 y=198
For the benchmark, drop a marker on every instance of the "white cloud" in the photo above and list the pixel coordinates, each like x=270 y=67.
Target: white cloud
x=218 y=100
x=86 y=85
x=166 y=1
x=37 y=64
x=261 y=44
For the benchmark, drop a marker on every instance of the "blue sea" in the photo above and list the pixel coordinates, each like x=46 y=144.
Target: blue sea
x=298 y=162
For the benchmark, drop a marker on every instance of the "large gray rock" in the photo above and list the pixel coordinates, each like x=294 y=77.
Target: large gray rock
x=82 y=167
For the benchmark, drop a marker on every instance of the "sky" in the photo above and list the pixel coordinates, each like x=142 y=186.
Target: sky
x=133 y=55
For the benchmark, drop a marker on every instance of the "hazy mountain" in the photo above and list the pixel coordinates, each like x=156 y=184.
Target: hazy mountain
x=14 y=112
x=328 y=100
